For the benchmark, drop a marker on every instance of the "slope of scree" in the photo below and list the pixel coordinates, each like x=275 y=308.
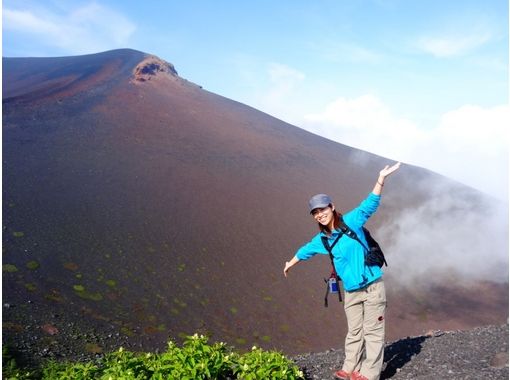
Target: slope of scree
x=138 y=210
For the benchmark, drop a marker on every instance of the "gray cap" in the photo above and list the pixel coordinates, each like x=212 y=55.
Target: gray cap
x=319 y=201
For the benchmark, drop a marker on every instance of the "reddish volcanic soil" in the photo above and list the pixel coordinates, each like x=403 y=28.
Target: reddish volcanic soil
x=138 y=203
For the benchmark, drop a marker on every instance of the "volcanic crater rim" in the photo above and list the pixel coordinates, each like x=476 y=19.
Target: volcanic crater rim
x=153 y=66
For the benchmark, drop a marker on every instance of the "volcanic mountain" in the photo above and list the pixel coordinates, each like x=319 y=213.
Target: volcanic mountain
x=138 y=204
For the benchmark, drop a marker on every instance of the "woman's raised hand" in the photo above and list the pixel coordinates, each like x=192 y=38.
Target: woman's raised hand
x=389 y=169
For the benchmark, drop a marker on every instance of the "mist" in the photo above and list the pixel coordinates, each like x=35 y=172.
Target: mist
x=454 y=233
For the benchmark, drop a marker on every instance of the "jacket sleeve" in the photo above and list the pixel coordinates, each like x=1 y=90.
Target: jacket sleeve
x=311 y=248
x=365 y=210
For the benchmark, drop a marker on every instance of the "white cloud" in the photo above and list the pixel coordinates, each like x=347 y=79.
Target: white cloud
x=448 y=46
x=347 y=52
x=87 y=29
x=283 y=81
x=25 y=21
x=458 y=37
x=366 y=123
x=469 y=144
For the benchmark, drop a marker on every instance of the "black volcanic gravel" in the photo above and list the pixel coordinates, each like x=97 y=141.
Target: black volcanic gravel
x=481 y=353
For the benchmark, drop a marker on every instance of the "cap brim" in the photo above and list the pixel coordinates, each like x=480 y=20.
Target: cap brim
x=319 y=206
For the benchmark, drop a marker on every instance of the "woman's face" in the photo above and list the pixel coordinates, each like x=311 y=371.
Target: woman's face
x=323 y=215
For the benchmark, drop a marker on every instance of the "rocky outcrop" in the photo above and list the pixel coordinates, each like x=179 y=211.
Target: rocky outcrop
x=151 y=67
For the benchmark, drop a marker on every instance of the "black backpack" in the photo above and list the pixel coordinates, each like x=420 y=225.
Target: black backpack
x=374 y=254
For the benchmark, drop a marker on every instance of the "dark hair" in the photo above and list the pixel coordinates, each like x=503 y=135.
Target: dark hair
x=336 y=222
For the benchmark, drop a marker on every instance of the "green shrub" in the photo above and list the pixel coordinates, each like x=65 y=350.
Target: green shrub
x=10 y=369
x=259 y=364
x=69 y=371
x=196 y=359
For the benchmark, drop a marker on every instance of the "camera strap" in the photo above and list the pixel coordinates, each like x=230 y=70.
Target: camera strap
x=329 y=248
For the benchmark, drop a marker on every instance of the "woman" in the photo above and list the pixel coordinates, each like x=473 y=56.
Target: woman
x=365 y=297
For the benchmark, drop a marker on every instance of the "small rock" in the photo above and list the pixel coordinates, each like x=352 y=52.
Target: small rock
x=49 y=329
x=500 y=360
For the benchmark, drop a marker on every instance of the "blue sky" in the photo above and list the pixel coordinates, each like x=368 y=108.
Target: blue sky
x=425 y=82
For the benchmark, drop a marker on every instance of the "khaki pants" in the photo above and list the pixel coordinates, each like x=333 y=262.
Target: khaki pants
x=365 y=310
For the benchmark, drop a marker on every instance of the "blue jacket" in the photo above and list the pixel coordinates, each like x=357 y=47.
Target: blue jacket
x=348 y=254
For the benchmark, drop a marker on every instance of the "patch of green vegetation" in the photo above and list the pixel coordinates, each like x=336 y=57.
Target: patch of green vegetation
x=18 y=234
x=204 y=302
x=54 y=297
x=93 y=348
x=111 y=283
x=33 y=265
x=30 y=287
x=90 y=296
x=233 y=310
x=10 y=268
x=182 y=304
x=127 y=331
x=81 y=292
x=241 y=341
x=196 y=359
x=266 y=338
x=267 y=298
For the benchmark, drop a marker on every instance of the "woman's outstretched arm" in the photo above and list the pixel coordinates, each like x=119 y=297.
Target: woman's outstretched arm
x=382 y=176
x=290 y=264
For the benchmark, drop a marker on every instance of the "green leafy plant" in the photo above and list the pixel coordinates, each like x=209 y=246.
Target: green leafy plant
x=259 y=364
x=196 y=359
x=10 y=370
x=69 y=371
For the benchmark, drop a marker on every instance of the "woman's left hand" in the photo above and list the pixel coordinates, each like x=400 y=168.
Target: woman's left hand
x=389 y=170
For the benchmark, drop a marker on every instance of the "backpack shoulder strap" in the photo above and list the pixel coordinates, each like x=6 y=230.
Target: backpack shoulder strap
x=325 y=242
x=347 y=231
